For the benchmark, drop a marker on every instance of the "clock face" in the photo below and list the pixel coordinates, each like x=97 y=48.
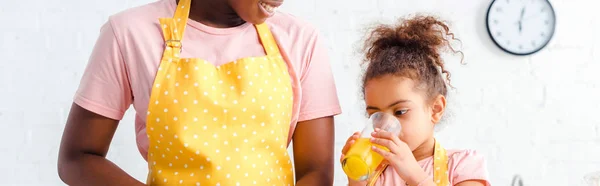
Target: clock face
x=521 y=27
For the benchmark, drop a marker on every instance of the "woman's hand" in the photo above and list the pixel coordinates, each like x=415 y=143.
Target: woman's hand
x=351 y=140
x=399 y=156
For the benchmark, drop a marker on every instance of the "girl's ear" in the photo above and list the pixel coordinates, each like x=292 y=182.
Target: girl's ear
x=437 y=108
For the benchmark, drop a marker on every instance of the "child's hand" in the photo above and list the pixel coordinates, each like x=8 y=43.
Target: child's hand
x=400 y=156
x=349 y=143
x=351 y=140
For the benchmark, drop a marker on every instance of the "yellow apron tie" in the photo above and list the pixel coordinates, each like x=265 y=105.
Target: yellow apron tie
x=218 y=125
x=440 y=167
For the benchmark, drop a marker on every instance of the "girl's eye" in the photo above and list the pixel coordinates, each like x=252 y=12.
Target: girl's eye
x=400 y=112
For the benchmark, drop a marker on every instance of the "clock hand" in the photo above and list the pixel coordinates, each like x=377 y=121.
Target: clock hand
x=521 y=19
x=522 y=13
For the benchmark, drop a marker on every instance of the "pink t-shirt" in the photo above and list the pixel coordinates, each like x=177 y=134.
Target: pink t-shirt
x=124 y=61
x=463 y=165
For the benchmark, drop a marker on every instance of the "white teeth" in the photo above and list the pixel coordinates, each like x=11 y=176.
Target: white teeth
x=267 y=7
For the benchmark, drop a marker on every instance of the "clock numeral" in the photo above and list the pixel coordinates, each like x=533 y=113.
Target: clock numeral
x=542 y=34
x=521 y=47
x=507 y=42
x=496 y=21
x=498 y=34
x=533 y=43
x=546 y=22
x=498 y=9
x=543 y=9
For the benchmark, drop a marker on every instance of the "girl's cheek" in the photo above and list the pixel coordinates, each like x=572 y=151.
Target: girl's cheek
x=405 y=122
x=406 y=133
x=409 y=134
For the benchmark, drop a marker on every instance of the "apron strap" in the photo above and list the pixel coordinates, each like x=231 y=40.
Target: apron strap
x=267 y=39
x=440 y=165
x=173 y=28
x=182 y=13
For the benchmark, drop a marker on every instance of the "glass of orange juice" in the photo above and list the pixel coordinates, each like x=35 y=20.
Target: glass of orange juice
x=360 y=161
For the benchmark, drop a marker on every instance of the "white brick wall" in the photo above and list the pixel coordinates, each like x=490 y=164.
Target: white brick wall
x=533 y=116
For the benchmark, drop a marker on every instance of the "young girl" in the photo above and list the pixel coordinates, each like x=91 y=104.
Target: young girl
x=406 y=77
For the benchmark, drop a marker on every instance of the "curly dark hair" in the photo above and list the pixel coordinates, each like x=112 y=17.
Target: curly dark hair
x=410 y=49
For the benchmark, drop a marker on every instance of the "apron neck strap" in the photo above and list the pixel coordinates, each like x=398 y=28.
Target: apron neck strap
x=267 y=39
x=440 y=165
x=173 y=29
x=182 y=12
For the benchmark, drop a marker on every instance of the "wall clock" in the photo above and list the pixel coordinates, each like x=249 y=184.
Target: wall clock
x=521 y=27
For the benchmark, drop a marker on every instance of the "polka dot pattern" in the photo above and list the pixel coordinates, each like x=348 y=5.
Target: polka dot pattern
x=219 y=125
x=440 y=165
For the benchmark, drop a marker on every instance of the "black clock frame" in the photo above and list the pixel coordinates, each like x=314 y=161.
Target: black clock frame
x=487 y=25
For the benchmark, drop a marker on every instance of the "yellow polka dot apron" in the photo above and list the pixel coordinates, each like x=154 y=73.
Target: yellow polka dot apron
x=219 y=125
x=440 y=168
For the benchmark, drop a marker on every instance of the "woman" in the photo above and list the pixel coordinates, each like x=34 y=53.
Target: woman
x=218 y=97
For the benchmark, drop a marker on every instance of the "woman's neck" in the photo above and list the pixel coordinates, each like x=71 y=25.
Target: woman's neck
x=214 y=13
x=425 y=150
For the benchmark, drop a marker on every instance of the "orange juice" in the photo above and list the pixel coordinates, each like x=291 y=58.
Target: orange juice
x=361 y=161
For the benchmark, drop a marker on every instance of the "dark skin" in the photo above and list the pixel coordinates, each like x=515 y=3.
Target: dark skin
x=313 y=152
x=82 y=156
x=87 y=136
x=227 y=13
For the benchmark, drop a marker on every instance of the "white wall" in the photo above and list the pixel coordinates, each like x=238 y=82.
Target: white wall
x=534 y=116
